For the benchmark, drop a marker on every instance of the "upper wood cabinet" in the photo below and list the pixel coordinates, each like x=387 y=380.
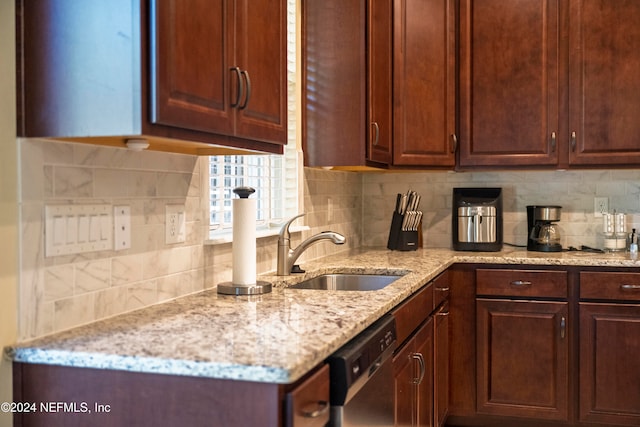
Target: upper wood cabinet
x=379 y=83
x=549 y=83
x=509 y=83
x=604 y=65
x=346 y=69
x=424 y=83
x=184 y=74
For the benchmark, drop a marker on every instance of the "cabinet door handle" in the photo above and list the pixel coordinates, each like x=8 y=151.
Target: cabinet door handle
x=420 y=359
x=521 y=283
x=376 y=129
x=321 y=408
x=553 y=142
x=442 y=312
x=240 y=87
x=247 y=80
x=626 y=287
x=454 y=143
x=573 y=141
x=563 y=327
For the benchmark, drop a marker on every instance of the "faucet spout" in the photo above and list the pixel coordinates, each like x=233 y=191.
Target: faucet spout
x=287 y=256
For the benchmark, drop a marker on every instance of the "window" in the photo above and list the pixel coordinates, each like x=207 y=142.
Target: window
x=274 y=177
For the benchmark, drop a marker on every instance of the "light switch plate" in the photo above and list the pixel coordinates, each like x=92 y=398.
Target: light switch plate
x=175 y=224
x=72 y=229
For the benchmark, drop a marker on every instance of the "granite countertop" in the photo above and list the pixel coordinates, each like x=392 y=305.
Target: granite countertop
x=276 y=337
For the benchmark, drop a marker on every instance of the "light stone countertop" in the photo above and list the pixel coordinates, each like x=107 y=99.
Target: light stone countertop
x=276 y=337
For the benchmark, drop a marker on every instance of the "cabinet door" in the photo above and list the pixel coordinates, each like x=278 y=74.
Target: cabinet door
x=441 y=366
x=604 y=85
x=380 y=80
x=261 y=55
x=609 y=364
x=424 y=83
x=509 y=82
x=522 y=358
x=404 y=373
x=424 y=348
x=413 y=374
x=334 y=70
x=190 y=73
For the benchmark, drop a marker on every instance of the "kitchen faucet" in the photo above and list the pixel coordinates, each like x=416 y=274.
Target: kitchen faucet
x=287 y=256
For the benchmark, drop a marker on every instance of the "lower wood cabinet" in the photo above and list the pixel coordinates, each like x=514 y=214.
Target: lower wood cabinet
x=421 y=363
x=522 y=359
x=610 y=348
x=102 y=397
x=307 y=405
x=441 y=366
x=548 y=346
x=413 y=373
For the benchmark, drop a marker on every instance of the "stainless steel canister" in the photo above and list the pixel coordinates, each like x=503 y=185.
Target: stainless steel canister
x=477 y=224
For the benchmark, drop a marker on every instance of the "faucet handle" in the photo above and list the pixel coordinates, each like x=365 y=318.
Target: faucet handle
x=284 y=231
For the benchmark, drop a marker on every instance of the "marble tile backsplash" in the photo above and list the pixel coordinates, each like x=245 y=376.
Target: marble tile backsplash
x=61 y=292
x=573 y=190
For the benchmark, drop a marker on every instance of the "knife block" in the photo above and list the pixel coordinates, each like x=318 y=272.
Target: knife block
x=400 y=240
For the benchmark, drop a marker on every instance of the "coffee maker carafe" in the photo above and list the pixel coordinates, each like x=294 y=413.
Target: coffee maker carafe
x=544 y=235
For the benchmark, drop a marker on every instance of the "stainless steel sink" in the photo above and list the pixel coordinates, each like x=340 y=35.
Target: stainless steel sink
x=347 y=282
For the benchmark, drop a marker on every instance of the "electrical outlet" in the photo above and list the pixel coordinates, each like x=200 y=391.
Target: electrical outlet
x=122 y=227
x=600 y=206
x=175 y=224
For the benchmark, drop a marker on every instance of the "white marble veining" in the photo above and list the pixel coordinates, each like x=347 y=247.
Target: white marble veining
x=276 y=337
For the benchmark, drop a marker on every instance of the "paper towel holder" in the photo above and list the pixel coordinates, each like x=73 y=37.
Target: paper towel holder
x=230 y=288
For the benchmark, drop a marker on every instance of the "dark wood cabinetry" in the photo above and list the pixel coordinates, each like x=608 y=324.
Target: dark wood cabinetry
x=509 y=83
x=604 y=64
x=334 y=82
x=523 y=358
x=379 y=83
x=522 y=343
x=220 y=67
x=307 y=405
x=421 y=364
x=142 y=399
x=185 y=75
x=609 y=348
x=424 y=83
x=549 y=83
x=413 y=373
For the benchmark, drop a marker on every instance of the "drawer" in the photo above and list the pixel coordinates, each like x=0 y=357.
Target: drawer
x=412 y=312
x=440 y=289
x=610 y=285
x=308 y=404
x=521 y=283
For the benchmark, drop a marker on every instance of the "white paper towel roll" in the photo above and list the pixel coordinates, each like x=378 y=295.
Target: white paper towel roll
x=244 y=242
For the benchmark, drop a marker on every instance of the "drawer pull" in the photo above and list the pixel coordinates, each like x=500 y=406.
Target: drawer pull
x=521 y=283
x=321 y=408
x=443 y=289
x=626 y=287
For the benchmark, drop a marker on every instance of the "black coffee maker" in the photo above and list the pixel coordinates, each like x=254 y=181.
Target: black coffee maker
x=544 y=235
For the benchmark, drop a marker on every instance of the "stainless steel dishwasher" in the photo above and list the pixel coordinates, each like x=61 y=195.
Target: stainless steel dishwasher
x=361 y=378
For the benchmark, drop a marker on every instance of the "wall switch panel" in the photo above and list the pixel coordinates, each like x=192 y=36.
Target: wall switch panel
x=121 y=227
x=175 y=224
x=72 y=229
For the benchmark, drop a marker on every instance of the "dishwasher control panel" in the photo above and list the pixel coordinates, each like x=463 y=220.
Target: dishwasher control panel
x=360 y=358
